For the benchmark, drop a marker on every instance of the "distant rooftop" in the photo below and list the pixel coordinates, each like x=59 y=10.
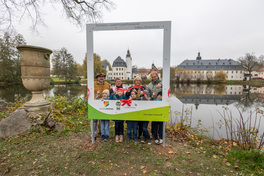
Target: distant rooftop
x=119 y=62
x=211 y=64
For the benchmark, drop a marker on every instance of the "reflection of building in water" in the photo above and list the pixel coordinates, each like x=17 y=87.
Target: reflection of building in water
x=257 y=90
x=209 y=94
x=209 y=89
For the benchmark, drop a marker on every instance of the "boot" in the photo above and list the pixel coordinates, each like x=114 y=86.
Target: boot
x=116 y=138
x=121 y=139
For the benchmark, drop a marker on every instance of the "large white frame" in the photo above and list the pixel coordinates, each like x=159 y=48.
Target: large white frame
x=96 y=109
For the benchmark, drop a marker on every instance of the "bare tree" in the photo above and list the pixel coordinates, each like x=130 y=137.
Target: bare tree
x=250 y=63
x=79 y=12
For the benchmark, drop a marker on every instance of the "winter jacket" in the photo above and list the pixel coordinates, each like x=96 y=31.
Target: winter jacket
x=152 y=88
x=100 y=87
x=141 y=97
x=114 y=89
x=116 y=97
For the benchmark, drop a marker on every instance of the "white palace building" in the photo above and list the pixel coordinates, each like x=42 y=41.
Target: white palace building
x=206 y=69
x=125 y=71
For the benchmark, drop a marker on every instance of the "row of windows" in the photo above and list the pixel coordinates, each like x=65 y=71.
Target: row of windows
x=210 y=63
x=119 y=68
x=118 y=73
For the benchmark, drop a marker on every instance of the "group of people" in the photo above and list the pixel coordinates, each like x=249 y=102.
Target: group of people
x=135 y=129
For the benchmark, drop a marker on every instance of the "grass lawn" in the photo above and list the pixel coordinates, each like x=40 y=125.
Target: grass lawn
x=41 y=152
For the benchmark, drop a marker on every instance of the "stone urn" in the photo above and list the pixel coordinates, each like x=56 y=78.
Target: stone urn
x=35 y=72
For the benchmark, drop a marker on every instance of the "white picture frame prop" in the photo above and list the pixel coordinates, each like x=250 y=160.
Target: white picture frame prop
x=138 y=110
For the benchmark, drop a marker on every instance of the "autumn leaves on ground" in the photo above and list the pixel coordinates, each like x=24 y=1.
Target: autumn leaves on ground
x=44 y=152
x=72 y=153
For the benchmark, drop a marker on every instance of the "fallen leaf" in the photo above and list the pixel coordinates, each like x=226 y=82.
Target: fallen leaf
x=188 y=153
x=234 y=144
x=214 y=156
x=170 y=152
x=142 y=167
x=8 y=169
x=228 y=164
x=144 y=171
x=236 y=167
x=201 y=164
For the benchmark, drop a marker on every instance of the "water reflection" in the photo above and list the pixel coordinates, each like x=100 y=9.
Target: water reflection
x=208 y=94
x=67 y=90
x=243 y=97
x=12 y=93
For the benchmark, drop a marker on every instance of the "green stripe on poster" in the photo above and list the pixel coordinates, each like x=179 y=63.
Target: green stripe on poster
x=155 y=114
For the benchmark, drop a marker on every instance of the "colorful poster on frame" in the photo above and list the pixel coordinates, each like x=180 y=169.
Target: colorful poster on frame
x=129 y=110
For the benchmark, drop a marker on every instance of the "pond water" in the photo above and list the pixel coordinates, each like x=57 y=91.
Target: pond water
x=204 y=104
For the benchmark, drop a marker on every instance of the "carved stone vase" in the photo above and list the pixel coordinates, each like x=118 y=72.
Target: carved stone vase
x=35 y=72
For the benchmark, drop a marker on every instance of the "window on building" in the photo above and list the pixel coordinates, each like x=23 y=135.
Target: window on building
x=232 y=71
x=231 y=76
x=236 y=71
x=116 y=68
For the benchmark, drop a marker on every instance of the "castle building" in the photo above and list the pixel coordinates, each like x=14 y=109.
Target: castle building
x=125 y=71
x=120 y=68
x=206 y=69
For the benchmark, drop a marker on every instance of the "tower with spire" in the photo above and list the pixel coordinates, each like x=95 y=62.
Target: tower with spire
x=198 y=57
x=129 y=65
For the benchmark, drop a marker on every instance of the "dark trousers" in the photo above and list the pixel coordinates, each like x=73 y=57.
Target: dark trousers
x=145 y=130
x=132 y=126
x=140 y=129
x=119 y=128
x=157 y=129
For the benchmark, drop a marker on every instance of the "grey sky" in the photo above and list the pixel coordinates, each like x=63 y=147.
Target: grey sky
x=216 y=28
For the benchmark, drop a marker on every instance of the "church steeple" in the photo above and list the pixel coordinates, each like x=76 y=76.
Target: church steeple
x=198 y=57
x=128 y=53
x=129 y=65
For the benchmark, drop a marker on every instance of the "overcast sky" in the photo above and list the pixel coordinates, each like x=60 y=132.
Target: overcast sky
x=217 y=28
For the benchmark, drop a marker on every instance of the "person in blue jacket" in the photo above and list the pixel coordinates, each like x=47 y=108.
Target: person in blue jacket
x=119 y=124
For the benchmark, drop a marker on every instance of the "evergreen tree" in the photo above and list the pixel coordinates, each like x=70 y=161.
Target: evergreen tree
x=10 y=70
x=64 y=65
